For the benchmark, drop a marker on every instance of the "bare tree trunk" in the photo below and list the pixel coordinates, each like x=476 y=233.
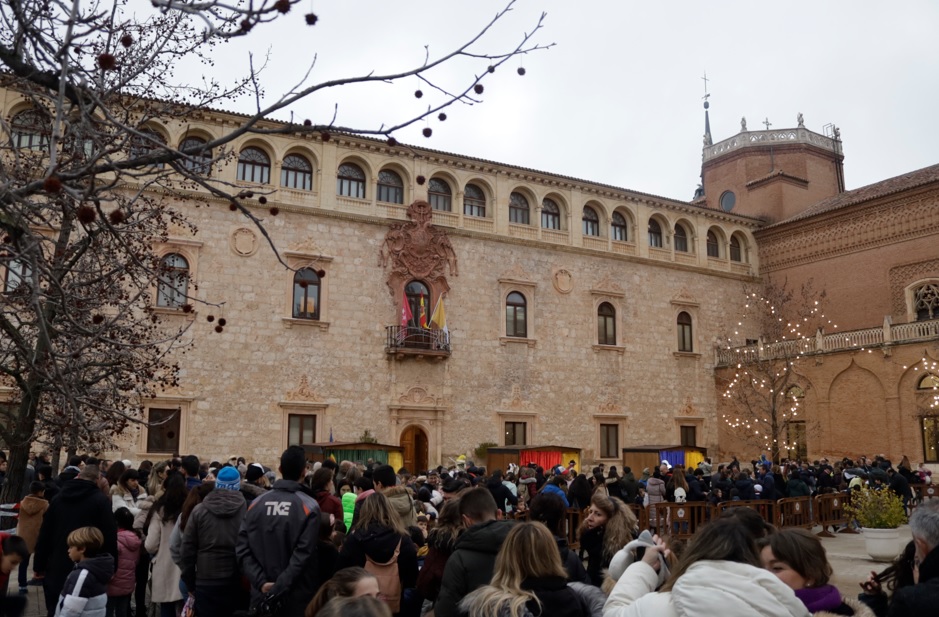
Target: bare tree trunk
x=16 y=473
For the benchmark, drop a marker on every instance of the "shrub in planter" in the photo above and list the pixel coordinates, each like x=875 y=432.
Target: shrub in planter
x=876 y=509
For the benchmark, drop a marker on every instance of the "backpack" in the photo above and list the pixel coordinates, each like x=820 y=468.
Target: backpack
x=389 y=583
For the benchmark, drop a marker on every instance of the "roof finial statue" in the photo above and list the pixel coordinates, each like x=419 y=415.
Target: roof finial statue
x=707 y=120
x=800 y=120
x=743 y=124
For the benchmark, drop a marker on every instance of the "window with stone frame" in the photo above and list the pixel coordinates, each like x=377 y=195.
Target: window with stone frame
x=199 y=162
x=144 y=143
x=296 y=173
x=681 y=238
x=606 y=324
x=17 y=272
x=619 y=228
x=926 y=302
x=609 y=441
x=474 y=201
x=519 y=210
x=550 y=214
x=655 y=234
x=590 y=222
x=516 y=315
x=390 y=187
x=516 y=433
x=163 y=427
x=736 y=250
x=306 y=294
x=350 y=181
x=688 y=435
x=685 y=339
x=439 y=195
x=173 y=282
x=254 y=165
x=301 y=429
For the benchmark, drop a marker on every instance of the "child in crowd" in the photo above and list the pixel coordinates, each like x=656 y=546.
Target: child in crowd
x=121 y=587
x=85 y=591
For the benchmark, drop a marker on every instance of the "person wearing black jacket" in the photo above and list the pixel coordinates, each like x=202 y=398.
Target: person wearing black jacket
x=695 y=486
x=80 y=504
x=278 y=538
x=549 y=509
x=922 y=598
x=500 y=492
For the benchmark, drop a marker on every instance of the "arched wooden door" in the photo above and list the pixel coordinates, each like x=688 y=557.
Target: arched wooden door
x=414 y=442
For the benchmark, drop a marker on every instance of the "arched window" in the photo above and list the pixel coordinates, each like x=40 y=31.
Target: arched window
x=254 y=166
x=590 y=222
x=439 y=195
x=145 y=143
x=620 y=230
x=30 y=130
x=199 y=162
x=684 y=332
x=390 y=187
x=306 y=294
x=606 y=324
x=17 y=273
x=173 y=284
x=928 y=382
x=519 y=211
x=350 y=181
x=681 y=239
x=926 y=302
x=655 y=234
x=714 y=249
x=418 y=294
x=474 y=201
x=296 y=173
x=516 y=319
x=550 y=214
x=736 y=254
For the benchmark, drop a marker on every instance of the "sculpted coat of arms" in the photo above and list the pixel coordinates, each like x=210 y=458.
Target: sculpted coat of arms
x=417 y=250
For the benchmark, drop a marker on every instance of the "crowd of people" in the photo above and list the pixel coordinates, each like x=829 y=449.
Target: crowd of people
x=185 y=537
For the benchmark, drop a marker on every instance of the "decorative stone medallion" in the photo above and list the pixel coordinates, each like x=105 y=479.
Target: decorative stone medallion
x=563 y=281
x=244 y=242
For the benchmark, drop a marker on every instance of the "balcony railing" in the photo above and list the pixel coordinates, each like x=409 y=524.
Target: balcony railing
x=889 y=334
x=411 y=341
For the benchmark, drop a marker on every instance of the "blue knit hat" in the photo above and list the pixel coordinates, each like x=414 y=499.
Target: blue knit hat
x=228 y=478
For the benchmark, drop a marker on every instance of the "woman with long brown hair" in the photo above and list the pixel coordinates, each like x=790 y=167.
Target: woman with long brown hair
x=608 y=526
x=529 y=579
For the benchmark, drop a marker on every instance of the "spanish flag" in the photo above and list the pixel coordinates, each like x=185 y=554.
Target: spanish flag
x=439 y=319
x=423 y=313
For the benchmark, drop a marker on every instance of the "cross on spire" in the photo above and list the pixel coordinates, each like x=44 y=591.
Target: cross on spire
x=706 y=80
x=767 y=123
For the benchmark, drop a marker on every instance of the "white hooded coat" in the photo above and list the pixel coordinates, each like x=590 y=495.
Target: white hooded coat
x=719 y=588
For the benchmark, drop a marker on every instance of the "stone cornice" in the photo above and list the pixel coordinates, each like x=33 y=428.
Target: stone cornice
x=849 y=230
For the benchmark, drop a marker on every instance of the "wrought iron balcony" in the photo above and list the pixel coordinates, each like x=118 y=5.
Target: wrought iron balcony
x=404 y=341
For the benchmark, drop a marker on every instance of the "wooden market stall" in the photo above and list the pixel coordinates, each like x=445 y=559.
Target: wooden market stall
x=357 y=452
x=499 y=457
x=640 y=457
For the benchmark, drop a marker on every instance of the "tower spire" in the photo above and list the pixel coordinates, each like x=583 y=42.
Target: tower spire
x=707 y=120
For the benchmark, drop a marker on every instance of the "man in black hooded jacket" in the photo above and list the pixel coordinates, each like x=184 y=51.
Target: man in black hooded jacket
x=80 y=504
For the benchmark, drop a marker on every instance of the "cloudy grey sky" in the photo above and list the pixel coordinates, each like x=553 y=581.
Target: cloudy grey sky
x=618 y=98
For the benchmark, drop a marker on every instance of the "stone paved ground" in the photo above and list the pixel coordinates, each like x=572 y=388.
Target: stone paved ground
x=846 y=553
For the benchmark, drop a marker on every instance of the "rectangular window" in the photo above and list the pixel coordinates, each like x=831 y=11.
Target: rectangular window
x=681 y=243
x=518 y=215
x=931 y=439
x=441 y=203
x=163 y=430
x=609 y=441
x=685 y=343
x=301 y=430
x=795 y=437
x=689 y=435
x=515 y=433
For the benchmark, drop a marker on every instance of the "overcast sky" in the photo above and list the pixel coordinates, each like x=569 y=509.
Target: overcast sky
x=618 y=98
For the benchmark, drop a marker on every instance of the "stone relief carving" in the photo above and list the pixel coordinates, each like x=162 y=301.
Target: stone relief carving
x=303 y=392
x=417 y=249
x=243 y=242
x=307 y=247
x=417 y=395
x=688 y=409
x=515 y=402
x=607 y=284
x=610 y=408
x=516 y=273
x=563 y=281
x=684 y=297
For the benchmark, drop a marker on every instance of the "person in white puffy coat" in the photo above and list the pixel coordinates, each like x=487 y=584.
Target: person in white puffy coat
x=718 y=574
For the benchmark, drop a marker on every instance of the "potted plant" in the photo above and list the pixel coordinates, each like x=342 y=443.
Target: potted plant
x=880 y=513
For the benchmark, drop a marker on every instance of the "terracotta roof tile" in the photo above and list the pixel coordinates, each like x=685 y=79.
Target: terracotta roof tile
x=890 y=186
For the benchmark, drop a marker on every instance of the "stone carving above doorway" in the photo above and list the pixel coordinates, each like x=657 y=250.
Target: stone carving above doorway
x=418 y=250
x=418 y=395
x=303 y=392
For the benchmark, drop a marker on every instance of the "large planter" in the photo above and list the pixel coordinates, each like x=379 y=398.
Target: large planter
x=882 y=544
